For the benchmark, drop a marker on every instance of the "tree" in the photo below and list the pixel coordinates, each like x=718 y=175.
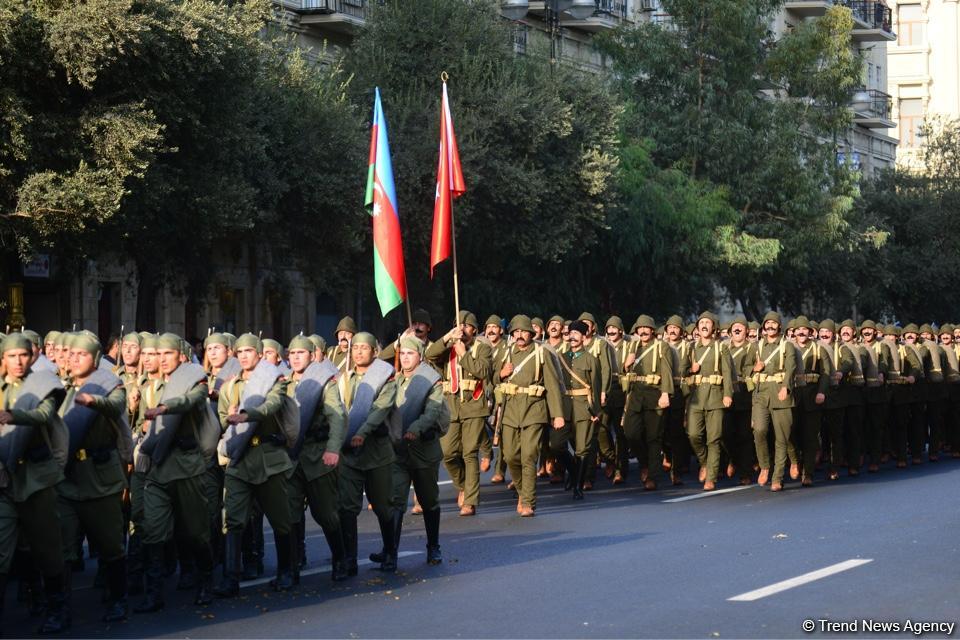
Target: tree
x=726 y=103
x=173 y=132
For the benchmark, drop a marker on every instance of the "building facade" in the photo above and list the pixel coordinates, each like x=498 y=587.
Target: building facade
x=924 y=77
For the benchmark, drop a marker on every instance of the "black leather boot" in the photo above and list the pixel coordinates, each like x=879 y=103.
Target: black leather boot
x=135 y=564
x=204 y=556
x=188 y=566
x=116 y=575
x=285 y=546
x=570 y=466
x=390 y=533
x=580 y=466
x=348 y=527
x=338 y=572
x=57 y=617
x=153 y=597
x=431 y=523
x=169 y=558
x=229 y=587
x=3 y=596
x=252 y=555
x=301 y=545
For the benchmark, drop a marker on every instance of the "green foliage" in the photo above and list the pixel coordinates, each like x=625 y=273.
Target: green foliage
x=168 y=130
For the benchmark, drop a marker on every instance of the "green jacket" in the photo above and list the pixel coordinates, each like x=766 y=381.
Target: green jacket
x=96 y=471
x=583 y=400
x=424 y=452
x=600 y=349
x=476 y=366
x=31 y=476
x=654 y=359
x=181 y=462
x=326 y=431
x=716 y=375
x=539 y=398
x=780 y=366
x=817 y=367
x=266 y=454
x=376 y=450
x=616 y=396
x=743 y=358
x=876 y=364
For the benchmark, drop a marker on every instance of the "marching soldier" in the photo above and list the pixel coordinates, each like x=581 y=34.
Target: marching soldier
x=876 y=392
x=738 y=435
x=369 y=392
x=416 y=425
x=582 y=381
x=89 y=496
x=852 y=387
x=624 y=351
x=420 y=326
x=842 y=362
x=339 y=353
x=817 y=368
x=709 y=372
x=538 y=330
x=466 y=365
x=31 y=465
x=937 y=392
x=773 y=375
x=531 y=397
x=323 y=424
x=493 y=332
x=676 y=444
x=600 y=349
x=180 y=432
x=951 y=369
x=651 y=382
x=254 y=443
x=920 y=359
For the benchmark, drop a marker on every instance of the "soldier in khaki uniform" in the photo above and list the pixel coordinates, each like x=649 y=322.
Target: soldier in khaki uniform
x=651 y=380
x=600 y=349
x=913 y=370
x=466 y=365
x=89 y=496
x=369 y=393
x=773 y=375
x=531 y=397
x=581 y=376
x=259 y=473
x=853 y=387
x=738 y=436
x=28 y=497
x=709 y=373
x=951 y=374
x=339 y=353
x=817 y=367
x=415 y=427
x=314 y=477
x=174 y=501
x=493 y=333
x=876 y=366
x=625 y=354
x=938 y=396
x=676 y=444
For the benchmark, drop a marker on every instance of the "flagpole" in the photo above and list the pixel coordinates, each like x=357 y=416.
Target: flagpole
x=453 y=235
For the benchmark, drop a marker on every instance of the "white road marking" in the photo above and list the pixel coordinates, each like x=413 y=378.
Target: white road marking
x=321 y=569
x=707 y=494
x=770 y=590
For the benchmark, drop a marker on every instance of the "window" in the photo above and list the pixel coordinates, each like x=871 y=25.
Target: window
x=911 y=25
x=911 y=120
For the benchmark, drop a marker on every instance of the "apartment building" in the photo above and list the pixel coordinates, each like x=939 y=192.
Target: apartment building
x=924 y=76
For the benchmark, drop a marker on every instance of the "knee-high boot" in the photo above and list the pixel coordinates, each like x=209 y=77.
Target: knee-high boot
x=348 y=527
x=229 y=587
x=431 y=522
x=153 y=598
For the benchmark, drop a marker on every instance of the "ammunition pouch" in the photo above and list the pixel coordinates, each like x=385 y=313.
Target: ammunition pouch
x=760 y=378
x=465 y=385
x=696 y=380
x=534 y=390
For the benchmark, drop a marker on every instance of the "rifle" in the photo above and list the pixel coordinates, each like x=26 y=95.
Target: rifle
x=497 y=425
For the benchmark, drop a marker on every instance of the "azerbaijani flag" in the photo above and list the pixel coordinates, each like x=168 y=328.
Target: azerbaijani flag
x=389 y=277
x=450 y=185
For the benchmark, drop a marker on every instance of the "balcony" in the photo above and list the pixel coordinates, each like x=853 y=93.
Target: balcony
x=345 y=16
x=808 y=8
x=871 y=109
x=872 y=21
x=610 y=14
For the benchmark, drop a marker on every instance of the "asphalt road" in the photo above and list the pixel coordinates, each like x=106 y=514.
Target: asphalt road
x=623 y=563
